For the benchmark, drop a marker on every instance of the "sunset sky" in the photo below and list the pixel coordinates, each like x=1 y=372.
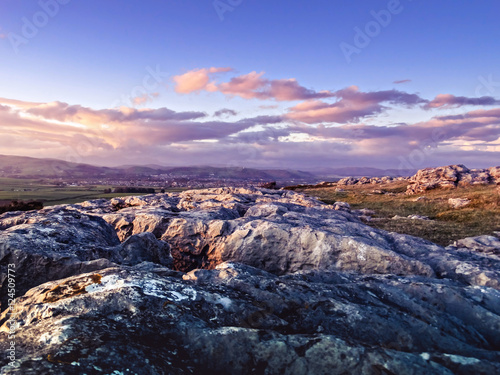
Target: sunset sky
x=280 y=84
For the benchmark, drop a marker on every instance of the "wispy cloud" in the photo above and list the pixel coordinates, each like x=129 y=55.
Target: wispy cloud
x=248 y=86
x=143 y=99
x=254 y=86
x=402 y=81
x=352 y=105
x=225 y=112
x=452 y=101
x=197 y=80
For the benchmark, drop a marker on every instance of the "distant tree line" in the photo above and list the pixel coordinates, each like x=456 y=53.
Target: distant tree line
x=21 y=206
x=133 y=189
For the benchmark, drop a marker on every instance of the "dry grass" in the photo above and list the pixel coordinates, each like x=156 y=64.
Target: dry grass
x=481 y=216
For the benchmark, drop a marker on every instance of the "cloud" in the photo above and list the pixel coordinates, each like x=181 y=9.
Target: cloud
x=225 y=112
x=402 y=81
x=77 y=128
x=143 y=99
x=313 y=133
x=247 y=86
x=452 y=101
x=197 y=80
x=61 y=111
x=352 y=105
x=253 y=86
x=472 y=126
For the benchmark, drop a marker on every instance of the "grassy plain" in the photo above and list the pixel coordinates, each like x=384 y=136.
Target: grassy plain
x=51 y=194
x=481 y=216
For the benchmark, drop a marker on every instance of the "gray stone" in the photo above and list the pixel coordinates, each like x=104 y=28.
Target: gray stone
x=458 y=202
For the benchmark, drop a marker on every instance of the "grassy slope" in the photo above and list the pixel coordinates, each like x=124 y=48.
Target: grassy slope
x=482 y=216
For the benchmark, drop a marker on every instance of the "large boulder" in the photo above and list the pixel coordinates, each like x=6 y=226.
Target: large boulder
x=489 y=245
x=475 y=177
x=451 y=176
x=495 y=174
x=62 y=241
x=431 y=178
x=347 y=181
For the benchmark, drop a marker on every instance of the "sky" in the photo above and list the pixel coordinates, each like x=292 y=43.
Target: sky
x=288 y=84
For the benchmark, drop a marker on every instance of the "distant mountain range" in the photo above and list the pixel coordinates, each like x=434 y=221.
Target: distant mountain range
x=363 y=171
x=24 y=167
x=27 y=167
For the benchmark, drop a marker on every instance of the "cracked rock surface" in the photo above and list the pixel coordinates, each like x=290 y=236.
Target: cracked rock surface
x=238 y=281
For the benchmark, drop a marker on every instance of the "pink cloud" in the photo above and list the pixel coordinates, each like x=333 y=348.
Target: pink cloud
x=143 y=99
x=253 y=86
x=247 y=86
x=452 y=101
x=402 y=81
x=197 y=80
x=352 y=105
x=148 y=135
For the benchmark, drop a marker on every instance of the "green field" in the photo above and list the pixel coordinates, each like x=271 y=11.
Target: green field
x=51 y=194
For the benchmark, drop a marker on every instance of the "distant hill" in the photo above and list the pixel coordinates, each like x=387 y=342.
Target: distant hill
x=26 y=167
x=364 y=172
x=21 y=166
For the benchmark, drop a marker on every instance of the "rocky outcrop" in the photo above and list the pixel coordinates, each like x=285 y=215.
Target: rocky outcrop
x=489 y=245
x=241 y=281
x=236 y=319
x=451 y=176
x=62 y=241
x=346 y=181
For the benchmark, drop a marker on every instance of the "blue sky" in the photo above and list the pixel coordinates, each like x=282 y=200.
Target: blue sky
x=91 y=54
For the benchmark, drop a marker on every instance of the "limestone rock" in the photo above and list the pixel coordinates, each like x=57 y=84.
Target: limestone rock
x=347 y=181
x=431 y=178
x=475 y=177
x=489 y=245
x=263 y=281
x=239 y=320
x=458 y=202
x=61 y=241
x=342 y=206
x=495 y=174
x=451 y=176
